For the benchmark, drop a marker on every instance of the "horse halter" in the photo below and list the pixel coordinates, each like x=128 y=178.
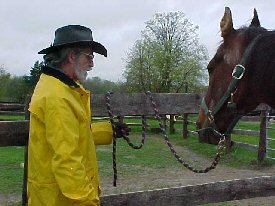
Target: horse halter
x=237 y=75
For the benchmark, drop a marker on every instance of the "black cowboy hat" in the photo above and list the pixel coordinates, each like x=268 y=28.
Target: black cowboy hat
x=74 y=35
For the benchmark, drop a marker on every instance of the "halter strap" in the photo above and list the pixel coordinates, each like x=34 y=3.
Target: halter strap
x=237 y=74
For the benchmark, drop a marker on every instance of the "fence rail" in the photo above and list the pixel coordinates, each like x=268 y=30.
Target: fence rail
x=11 y=107
x=269 y=149
x=197 y=194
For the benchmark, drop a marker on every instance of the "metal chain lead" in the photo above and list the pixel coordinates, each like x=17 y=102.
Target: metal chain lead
x=125 y=137
x=220 y=150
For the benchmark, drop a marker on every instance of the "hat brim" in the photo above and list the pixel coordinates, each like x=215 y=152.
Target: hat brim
x=97 y=47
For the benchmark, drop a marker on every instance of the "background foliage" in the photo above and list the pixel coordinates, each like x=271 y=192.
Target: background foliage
x=167 y=58
x=17 y=88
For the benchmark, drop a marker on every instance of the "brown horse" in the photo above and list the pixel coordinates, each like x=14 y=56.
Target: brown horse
x=241 y=76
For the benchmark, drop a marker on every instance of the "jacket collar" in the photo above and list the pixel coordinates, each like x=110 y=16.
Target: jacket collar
x=48 y=70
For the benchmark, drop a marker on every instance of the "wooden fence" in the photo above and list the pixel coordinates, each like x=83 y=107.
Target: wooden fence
x=261 y=148
x=15 y=133
x=197 y=194
x=11 y=109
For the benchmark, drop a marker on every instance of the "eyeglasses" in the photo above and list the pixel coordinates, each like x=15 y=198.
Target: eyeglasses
x=90 y=56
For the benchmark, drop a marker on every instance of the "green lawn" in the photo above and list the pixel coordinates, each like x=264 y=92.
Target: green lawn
x=155 y=155
x=11 y=174
x=6 y=117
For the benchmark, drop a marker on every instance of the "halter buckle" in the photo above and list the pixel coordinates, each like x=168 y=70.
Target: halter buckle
x=235 y=71
x=210 y=116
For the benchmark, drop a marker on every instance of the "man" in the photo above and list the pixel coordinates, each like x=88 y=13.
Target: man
x=62 y=161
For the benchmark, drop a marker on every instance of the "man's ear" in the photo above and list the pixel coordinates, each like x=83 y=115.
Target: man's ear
x=71 y=56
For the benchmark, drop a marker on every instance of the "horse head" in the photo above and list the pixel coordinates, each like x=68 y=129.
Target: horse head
x=228 y=95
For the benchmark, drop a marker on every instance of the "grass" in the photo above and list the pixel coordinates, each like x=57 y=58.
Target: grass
x=6 y=117
x=154 y=155
x=254 y=140
x=11 y=174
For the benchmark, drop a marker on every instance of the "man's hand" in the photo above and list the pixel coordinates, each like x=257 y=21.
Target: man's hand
x=121 y=129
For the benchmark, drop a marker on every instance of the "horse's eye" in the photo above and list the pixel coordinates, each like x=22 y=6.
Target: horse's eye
x=211 y=66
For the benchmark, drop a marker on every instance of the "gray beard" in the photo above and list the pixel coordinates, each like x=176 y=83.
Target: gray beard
x=81 y=75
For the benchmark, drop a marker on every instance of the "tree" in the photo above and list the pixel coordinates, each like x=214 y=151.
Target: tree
x=35 y=73
x=12 y=88
x=4 y=79
x=168 y=57
x=17 y=90
x=99 y=86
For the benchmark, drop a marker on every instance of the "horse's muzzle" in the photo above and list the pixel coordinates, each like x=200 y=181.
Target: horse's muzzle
x=208 y=135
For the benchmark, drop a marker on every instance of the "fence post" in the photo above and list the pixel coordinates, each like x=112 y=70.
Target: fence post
x=263 y=134
x=163 y=120
x=184 y=126
x=172 y=124
x=25 y=175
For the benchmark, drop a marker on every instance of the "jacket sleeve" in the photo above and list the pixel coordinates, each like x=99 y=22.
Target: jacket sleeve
x=62 y=133
x=102 y=133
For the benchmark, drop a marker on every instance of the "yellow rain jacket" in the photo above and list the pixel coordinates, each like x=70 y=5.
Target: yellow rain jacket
x=63 y=168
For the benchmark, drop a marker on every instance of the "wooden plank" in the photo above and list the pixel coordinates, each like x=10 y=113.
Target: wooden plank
x=246 y=132
x=14 y=133
x=197 y=194
x=12 y=113
x=139 y=104
x=136 y=124
x=251 y=118
x=246 y=146
x=11 y=107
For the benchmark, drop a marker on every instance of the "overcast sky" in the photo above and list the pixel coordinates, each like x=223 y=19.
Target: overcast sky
x=27 y=26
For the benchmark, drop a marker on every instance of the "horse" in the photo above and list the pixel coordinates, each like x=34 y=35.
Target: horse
x=241 y=76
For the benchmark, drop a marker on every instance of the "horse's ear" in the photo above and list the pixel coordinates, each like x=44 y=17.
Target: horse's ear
x=255 y=21
x=226 y=23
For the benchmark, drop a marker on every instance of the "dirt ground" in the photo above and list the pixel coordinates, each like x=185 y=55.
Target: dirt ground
x=175 y=178
x=152 y=179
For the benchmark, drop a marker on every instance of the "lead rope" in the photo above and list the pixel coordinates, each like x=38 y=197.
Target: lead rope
x=220 y=148
x=125 y=137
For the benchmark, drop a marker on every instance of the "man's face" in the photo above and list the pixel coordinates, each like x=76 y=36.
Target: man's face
x=84 y=63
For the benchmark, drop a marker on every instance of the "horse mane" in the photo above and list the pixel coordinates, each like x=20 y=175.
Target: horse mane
x=263 y=51
x=260 y=64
